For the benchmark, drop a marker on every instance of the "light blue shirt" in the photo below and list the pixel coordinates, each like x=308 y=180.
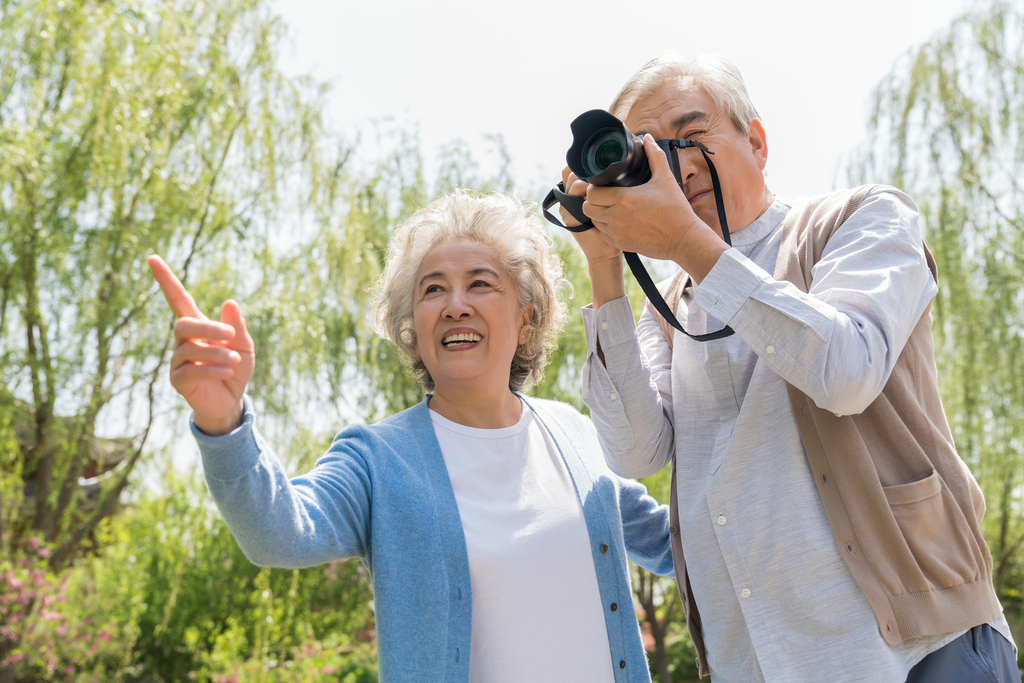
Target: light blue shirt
x=382 y=493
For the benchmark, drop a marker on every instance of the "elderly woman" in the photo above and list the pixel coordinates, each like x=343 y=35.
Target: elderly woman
x=496 y=537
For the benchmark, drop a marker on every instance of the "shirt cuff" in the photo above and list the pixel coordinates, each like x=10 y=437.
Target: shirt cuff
x=232 y=455
x=728 y=285
x=612 y=325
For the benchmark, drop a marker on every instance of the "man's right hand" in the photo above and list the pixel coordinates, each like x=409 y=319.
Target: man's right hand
x=603 y=259
x=212 y=361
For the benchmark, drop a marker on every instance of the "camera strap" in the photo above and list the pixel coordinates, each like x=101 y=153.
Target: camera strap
x=574 y=205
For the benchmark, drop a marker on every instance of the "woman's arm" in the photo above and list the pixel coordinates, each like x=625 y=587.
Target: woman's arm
x=280 y=522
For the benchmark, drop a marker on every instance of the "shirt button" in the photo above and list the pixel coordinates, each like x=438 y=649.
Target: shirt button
x=770 y=349
x=721 y=520
x=604 y=326
x=673 y=530
x=613 y=396
x=745 y=592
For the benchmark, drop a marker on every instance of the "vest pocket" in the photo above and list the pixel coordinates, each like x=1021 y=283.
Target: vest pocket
x=935 y=531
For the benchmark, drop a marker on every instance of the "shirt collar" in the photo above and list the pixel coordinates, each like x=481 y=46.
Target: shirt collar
x=764 y=225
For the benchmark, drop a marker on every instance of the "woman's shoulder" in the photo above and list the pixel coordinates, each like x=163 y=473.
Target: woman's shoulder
x=394 y=431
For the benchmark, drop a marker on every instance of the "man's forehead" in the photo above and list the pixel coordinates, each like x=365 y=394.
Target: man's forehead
x=672 y=106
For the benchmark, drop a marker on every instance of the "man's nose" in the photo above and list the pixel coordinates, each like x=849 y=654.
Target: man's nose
x=689 y=164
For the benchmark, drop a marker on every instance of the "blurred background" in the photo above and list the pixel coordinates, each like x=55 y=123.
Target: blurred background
x=267 y=150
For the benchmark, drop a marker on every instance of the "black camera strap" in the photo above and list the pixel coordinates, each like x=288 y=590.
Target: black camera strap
x=574 y=205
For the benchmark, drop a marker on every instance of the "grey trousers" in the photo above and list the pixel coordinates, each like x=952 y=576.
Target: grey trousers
x=982 y=655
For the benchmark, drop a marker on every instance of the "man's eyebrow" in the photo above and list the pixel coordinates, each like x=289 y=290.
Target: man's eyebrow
x=687 y=118
x=680 y=121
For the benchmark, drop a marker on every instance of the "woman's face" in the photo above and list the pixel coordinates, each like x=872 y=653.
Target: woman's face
x=467 y=317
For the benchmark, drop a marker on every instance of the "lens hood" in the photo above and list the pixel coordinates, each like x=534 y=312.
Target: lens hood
x=604 y=152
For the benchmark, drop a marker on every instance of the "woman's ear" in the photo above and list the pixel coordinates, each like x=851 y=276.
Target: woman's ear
x=525 y=325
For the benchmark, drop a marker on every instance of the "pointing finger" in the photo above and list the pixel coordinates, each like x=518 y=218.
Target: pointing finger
x=178 y=298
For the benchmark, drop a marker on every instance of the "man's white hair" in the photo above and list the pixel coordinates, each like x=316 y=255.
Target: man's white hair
x=715 y=75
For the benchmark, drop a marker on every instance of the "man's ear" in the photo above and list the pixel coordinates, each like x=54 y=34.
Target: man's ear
x=758 y=142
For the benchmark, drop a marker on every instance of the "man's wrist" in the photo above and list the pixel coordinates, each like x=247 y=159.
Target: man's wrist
x=606 y=281
x=700 y=254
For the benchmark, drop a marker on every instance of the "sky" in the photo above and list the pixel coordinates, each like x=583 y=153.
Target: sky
x=466 y=69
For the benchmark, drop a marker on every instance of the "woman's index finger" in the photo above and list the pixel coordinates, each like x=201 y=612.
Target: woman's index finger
x=178 y=298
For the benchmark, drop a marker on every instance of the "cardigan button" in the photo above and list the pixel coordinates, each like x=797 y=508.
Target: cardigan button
x=615 y=606
x=622 y=663
x=673 y=530
x=604 y=548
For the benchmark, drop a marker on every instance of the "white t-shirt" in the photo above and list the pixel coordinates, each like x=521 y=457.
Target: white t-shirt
x=537 y=613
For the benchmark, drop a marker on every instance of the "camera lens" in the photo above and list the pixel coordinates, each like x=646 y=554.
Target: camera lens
x=605 y=148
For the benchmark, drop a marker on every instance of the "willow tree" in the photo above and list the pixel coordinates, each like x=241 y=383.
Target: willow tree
x=127 y=127
x=947 y=126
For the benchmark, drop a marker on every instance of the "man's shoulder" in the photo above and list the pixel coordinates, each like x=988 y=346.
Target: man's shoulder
x=843 y=203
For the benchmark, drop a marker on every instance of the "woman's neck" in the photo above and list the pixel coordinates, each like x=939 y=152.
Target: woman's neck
x=480 y=410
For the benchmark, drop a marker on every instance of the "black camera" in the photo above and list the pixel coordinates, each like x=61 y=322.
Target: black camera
x=605 y=152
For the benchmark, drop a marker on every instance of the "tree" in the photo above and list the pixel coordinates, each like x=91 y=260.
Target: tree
x=126 y=127
x=947 y=125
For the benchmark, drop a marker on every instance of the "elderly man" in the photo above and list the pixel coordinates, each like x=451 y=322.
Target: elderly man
x=830 y=530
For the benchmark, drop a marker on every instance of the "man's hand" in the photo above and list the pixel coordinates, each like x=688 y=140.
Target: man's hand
x=212 y=362
x=655 y=219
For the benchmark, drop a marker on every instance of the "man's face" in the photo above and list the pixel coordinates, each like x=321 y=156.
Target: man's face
x=678 y=110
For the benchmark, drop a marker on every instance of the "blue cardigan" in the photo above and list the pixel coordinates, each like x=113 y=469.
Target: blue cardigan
x=382 y=493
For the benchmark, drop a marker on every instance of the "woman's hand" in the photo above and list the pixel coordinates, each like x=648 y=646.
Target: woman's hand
x=212 y=361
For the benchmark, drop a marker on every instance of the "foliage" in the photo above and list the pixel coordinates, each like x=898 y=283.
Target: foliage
x=172 y=598
x=948 y=127
x=50 y=633
x=126 y=127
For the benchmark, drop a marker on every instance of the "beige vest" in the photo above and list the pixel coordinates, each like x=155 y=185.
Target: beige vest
x=903 y=507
